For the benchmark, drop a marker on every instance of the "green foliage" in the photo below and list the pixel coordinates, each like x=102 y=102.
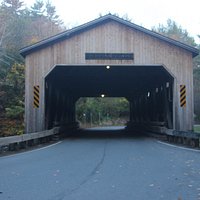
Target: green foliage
x=18 y=130
x=13 y=92
x=14 y=84
x=175 y=31
x=15 y=112
x=44 y=22
x=197 y=128
x=20 y=26
x=37 y=9
x=101 y=109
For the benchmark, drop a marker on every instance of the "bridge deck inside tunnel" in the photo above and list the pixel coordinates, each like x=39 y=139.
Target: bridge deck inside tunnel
x=148 y=88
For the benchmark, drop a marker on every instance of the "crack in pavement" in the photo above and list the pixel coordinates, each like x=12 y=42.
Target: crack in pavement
x=63 y=194
x=96 y=168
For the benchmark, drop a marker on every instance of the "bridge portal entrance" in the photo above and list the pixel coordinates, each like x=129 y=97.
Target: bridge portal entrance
x=149 y=90
x=114 y=57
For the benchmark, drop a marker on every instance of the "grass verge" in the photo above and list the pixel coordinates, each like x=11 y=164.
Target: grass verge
x=197 y=128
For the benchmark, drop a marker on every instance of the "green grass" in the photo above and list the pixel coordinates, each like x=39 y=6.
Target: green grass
x=197 y=128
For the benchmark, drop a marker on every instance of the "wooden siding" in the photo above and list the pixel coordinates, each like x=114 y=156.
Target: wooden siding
x=110 y=37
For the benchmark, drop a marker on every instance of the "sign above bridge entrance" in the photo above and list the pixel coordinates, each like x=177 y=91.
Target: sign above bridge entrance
x=109 y=56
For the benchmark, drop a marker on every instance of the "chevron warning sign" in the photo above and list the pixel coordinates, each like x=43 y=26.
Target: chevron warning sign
x=182 y=95
x=36 y=98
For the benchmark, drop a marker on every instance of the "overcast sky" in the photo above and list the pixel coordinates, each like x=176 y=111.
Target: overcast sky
x=147 y=13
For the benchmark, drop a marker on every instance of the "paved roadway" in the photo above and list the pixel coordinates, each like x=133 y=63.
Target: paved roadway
x=105 y=165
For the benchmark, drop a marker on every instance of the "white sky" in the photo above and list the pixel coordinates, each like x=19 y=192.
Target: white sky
x=147 y=13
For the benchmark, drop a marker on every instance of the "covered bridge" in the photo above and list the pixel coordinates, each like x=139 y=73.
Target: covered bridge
x=115 y=57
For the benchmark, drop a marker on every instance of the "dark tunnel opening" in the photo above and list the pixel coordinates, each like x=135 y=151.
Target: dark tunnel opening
x=149 y=90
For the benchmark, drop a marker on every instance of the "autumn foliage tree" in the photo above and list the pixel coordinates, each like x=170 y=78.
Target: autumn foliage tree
x=19 y=27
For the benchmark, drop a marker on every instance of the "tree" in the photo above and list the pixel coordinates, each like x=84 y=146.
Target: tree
x=44 y=22
x=51 y=13
x=15 y=86
x=20 y=26
x=13 y=7
x=11 y=39
x=175 y=31
x=12 y=29
x=102 y=109
x=37 y=10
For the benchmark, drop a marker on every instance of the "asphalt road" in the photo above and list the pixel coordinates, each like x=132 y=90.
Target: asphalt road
x=102 y=165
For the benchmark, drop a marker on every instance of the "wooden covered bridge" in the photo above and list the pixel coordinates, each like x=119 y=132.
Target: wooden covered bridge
x=114 y=57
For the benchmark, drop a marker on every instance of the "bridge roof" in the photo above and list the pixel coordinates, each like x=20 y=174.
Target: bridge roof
x=92 y=24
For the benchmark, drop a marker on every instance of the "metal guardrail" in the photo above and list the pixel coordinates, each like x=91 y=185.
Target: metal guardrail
x=192 y=135
x=26 y=137
x=179 y=137
x=172 y=132
x=158 y=130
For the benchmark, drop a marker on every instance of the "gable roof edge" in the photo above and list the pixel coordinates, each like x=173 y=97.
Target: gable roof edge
x=66 y=34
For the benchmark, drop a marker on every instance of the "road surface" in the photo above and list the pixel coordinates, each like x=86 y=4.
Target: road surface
x=102 y=165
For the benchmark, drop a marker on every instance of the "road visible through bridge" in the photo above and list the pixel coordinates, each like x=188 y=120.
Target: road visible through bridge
x=102 y=164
